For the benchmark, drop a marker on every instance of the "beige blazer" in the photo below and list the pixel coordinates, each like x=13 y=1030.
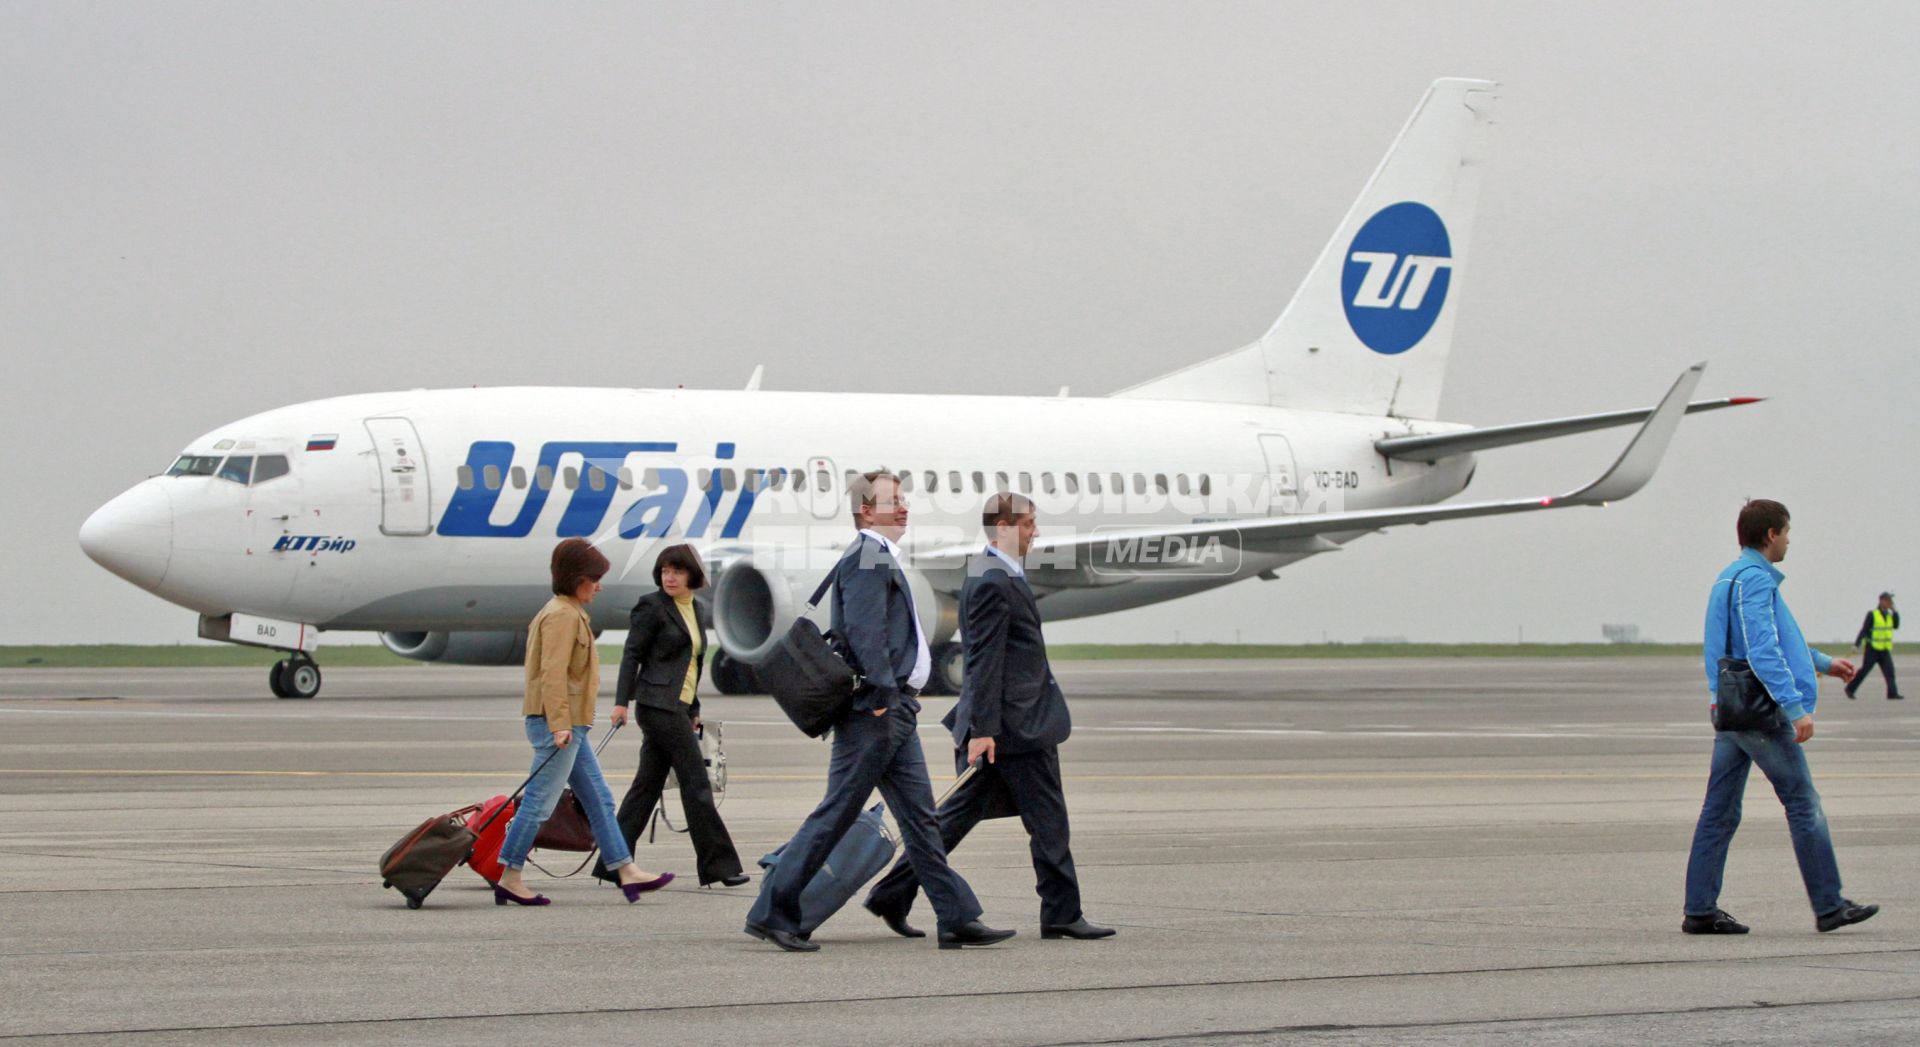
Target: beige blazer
x=563 y=666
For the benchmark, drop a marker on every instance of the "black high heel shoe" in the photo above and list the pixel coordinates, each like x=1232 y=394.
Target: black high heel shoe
x=502 y=896
x=633 y=891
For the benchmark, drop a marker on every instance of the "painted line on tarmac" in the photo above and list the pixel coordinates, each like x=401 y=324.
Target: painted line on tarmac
x=827 y=1004
x=1631 y=732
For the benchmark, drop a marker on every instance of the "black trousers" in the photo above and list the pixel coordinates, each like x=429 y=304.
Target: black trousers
x=1029 y=783
x=667 y=743
x=1883 y=659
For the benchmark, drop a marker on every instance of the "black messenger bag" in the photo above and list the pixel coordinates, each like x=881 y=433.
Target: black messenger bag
x=1741 y=701
x=811 y=683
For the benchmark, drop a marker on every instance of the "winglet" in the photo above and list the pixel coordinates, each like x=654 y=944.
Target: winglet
x=1637 y=463
x=753 y=383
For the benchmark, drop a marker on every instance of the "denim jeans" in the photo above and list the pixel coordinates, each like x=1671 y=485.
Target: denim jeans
x=1784 y=763
x=575 y=766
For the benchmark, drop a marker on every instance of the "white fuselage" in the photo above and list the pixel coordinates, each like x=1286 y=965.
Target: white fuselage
x=438 y=513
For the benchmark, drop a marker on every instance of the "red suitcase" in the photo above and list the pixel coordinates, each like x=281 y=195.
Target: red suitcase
x=489 y=825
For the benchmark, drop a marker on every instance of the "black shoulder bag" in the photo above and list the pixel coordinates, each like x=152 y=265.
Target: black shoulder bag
x=809 y=680
x=1741 y=702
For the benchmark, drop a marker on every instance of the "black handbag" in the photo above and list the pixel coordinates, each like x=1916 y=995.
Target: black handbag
x=1741 y=701
x=808 y=679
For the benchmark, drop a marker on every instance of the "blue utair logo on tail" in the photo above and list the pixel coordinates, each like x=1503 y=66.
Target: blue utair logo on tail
x=1396 y=276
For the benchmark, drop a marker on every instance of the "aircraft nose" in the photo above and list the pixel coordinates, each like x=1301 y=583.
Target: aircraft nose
x=132 y=535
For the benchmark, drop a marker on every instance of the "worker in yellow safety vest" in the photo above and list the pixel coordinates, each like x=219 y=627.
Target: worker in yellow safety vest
x=1876 y=639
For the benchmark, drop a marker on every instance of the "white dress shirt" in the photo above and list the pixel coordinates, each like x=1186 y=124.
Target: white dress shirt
x=1018 y=571
x=922 y=658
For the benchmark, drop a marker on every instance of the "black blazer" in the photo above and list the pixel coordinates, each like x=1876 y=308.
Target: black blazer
x=1009 y=693
x=873 y=624
x=654 y=667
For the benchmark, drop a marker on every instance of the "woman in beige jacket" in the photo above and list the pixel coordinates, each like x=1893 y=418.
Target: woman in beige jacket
x=563 y=676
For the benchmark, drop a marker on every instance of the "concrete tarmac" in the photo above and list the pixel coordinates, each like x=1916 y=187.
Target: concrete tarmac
x=1306 y=852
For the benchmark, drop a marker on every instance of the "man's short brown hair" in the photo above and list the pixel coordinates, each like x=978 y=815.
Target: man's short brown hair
x=1005 y=508
x=1757 y=517
x=574 y=561
x=860 y=492
x=683 y=557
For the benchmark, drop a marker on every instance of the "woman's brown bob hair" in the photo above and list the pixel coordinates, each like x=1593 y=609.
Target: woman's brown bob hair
x=683 y=557
x=574 y=561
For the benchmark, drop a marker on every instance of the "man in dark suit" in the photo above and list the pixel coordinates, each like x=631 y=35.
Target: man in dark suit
x=1013 y=716
x=878 y=632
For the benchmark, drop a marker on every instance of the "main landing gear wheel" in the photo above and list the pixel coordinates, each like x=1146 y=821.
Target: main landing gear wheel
x=733 y=676
x=294 y=678
x=949 y=669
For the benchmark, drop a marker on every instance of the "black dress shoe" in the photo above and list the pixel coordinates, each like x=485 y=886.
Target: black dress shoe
x=1846 y=914
x=1896 y=697
x=895 y=923
x=1080 y=929
x=973 y=932
x=1719 y=922
x=789 y=942
x=736 y=880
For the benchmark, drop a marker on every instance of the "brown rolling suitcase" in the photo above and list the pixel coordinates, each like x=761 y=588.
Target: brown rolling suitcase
x=423 y=857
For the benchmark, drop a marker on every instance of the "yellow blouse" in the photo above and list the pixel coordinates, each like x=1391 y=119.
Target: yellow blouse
x=685 y=603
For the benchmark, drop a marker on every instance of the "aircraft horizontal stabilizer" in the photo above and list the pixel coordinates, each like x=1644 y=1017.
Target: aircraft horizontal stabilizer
x=1095 y=558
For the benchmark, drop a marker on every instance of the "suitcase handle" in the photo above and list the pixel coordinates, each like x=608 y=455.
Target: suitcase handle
x=515 y=798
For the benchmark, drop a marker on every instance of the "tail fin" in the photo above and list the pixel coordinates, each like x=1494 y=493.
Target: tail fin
x=1369 y=329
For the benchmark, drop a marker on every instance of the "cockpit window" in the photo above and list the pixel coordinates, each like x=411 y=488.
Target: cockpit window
x=270 y=467
x=195 y=465
x=238 y=468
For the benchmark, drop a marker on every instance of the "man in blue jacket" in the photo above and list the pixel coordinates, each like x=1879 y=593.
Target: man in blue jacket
x=1013 y=716
x=878 y=631
x=1747 y=618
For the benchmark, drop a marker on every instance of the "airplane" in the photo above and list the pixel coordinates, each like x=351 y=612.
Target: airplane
x=428 y=516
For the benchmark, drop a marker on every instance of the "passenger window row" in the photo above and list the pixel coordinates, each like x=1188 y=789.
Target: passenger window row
x=820 y=480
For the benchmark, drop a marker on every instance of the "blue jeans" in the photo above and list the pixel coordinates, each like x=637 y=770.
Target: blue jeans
x=1784 y=763
x=575 y=766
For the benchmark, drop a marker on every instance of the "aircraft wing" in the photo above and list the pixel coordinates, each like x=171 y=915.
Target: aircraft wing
x=1111 y=556
x=1435 y=446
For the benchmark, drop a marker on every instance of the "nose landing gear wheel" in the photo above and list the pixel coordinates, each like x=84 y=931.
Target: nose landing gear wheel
x=295 y=678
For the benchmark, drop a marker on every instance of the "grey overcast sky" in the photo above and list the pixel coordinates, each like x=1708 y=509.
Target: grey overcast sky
x=210 y=209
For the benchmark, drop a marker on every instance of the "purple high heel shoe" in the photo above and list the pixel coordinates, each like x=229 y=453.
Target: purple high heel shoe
x=633 y=891
x=502 y=896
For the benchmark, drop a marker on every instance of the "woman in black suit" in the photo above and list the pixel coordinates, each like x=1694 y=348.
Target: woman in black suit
x=658 y=676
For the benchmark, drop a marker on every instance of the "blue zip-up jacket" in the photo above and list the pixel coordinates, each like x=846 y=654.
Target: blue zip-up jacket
x=1764 y=633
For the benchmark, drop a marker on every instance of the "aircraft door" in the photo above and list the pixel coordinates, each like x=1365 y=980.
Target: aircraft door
x=823 y=485
x=405 y=499
x=1282 y=487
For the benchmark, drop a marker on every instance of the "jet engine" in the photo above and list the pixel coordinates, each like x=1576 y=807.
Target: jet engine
x=461 y=648
x=754 y=606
